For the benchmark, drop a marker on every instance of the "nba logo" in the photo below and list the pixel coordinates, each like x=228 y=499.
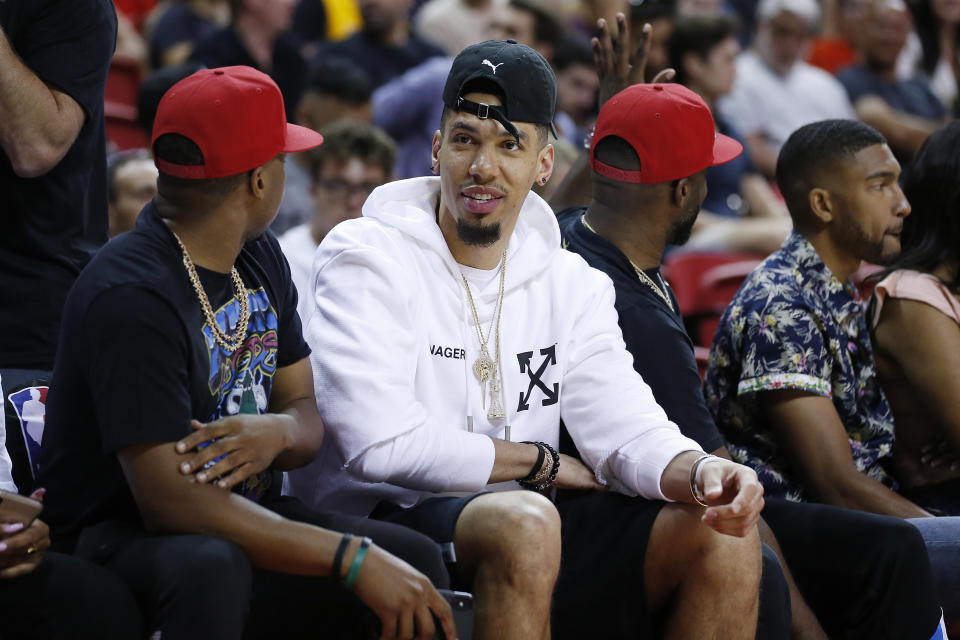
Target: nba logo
x=30 y=404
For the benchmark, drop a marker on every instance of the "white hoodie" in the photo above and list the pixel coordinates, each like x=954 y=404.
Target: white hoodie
x=394 y=342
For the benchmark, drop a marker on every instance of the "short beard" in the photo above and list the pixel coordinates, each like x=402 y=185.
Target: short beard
x=478 y=235
x=682 y=229
x=865 y=248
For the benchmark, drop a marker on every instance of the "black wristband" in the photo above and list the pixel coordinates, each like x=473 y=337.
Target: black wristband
x=338 y=556
x=541 y=453
x=554 y=469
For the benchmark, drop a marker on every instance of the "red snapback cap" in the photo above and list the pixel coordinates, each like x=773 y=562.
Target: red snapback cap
x=671 y=129
x=235 y=115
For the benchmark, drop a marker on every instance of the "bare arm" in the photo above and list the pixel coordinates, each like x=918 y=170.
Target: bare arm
x=763 y=159
x=905 y=132
x=292 y=395
x=513 y=460
x=812 y=435
x=761 y=199
x=38 y=124
x=925 y=345
x=170 y=503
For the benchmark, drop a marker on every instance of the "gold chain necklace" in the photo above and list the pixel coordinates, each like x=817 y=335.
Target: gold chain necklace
x=485 y=366
x=644 y=278
x=229 y=342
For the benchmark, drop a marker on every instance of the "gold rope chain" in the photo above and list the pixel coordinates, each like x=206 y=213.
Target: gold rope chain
x=644 y=278
x=230 y=342
x=476 y=317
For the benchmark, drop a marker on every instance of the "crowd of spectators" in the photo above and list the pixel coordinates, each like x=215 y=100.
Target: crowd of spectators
x=890 y=64
x=838 y=394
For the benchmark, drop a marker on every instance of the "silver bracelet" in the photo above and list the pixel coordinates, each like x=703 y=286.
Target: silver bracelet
x=693 y=477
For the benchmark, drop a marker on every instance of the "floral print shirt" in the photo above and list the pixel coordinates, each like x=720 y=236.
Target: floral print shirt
x=794 y=325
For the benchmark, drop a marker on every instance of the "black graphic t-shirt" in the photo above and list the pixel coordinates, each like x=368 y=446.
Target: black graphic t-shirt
x=137 y=361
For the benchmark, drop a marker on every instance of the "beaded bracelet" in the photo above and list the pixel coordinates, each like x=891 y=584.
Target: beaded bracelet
x=358 y=559
x=543 y=479
x=540 y=469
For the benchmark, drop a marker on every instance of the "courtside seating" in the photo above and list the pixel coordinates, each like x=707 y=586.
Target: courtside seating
x=120 y=105
x=123 y=82
x=704 y=283
x=123 y=130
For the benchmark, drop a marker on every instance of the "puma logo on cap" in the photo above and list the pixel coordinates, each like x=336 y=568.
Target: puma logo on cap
x=491 y=65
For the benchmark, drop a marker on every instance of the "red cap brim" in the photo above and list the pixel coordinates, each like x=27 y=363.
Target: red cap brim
x=725 y=149
x=300 y=139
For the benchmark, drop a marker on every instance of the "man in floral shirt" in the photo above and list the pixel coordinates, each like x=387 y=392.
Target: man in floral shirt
x=796 y=328
x=795 y=325
x=791 y=381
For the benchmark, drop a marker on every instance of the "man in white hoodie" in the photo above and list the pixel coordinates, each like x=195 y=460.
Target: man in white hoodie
x=451 y=335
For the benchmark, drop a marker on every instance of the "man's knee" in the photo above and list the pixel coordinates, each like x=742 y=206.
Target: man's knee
x=514 y=529
x=681 y=544
x=743 y=553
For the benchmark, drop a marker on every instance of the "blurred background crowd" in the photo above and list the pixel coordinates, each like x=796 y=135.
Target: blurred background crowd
x=369 y=74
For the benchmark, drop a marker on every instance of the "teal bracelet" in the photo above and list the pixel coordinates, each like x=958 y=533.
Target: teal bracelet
x=358 y=559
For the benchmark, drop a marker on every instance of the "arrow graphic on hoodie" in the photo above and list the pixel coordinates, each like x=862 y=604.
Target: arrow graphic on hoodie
x=550 y=358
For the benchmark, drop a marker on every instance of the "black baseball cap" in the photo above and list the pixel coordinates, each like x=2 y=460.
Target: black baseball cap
x=524 y=76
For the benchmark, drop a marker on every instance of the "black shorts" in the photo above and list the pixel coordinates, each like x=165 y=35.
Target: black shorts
x=600 y=591
x=434 y=517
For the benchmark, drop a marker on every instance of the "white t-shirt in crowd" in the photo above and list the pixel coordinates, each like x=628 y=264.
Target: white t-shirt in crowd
x=763 y=101
x=299 y=247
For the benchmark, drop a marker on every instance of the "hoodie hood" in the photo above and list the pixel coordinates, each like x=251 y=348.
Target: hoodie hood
x=410 y=207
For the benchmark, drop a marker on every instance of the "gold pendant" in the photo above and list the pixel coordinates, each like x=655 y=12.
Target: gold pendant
x=482 y=367
x=496 y=408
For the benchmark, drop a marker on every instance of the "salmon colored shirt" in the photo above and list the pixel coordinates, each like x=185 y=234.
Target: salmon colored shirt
x=914 y=285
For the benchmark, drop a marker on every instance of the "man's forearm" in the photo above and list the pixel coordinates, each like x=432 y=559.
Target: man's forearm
x=304 y=431
x=763 y=159
x=171 y=503
x=269 y=540
x=760 y=198
x=905 y=132
x=37 y=124
x=675 y=481
x=513 y=460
